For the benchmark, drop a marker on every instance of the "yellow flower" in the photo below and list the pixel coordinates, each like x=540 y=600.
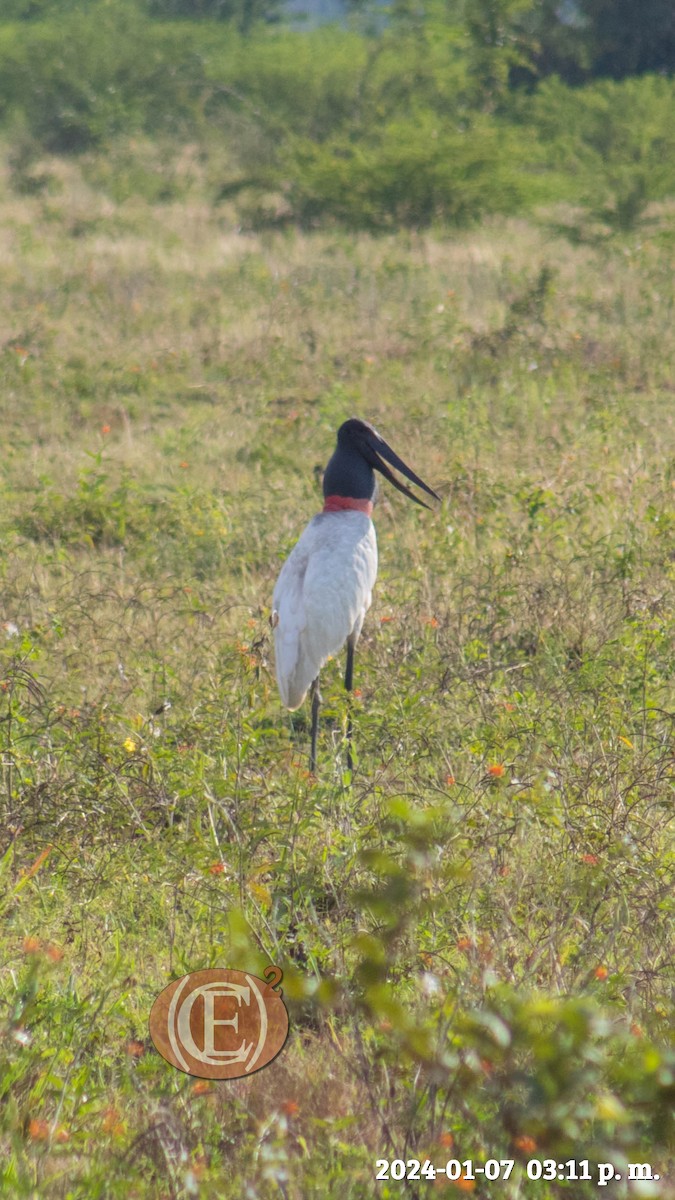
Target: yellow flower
x=130 y=745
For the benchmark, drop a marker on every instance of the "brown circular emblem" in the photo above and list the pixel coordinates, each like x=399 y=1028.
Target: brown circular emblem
x=220 y=1024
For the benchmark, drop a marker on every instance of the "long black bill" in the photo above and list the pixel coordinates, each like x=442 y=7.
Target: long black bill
x=384 y=451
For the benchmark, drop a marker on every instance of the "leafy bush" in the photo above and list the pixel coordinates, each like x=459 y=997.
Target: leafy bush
x=609 y=146
x=88 y=77
x=411 y=173
x=286 y=83
x=373 y=133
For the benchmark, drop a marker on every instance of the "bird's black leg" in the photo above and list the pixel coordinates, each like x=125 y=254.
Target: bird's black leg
x=316 y=704
x=349 y=679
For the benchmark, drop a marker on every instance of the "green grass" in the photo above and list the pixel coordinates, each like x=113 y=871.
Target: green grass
x=478 y=962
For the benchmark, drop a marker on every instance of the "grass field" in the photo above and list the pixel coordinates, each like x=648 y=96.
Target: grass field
x=477 y=934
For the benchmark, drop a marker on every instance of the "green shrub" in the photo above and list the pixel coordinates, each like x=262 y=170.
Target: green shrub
x=89 y=77
x=307 y=85
x=373 y=133
x=411 y=173
x=609 y=146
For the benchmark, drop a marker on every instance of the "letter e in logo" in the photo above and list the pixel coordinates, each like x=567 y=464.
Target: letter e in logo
x=220 y=1024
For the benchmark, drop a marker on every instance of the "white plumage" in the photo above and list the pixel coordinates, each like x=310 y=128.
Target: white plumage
x=322 y=595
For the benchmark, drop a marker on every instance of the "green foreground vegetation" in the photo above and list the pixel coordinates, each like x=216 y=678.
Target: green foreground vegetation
x=476 y=934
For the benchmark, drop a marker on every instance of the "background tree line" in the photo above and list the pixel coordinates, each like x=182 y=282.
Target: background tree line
x=576 y=39
x=436 y=111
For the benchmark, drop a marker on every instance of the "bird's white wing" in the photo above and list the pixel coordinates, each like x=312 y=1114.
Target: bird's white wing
x=290 y=620
x=321 y=597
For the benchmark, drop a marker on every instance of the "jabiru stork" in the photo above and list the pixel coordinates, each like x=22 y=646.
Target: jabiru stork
x=324 y=590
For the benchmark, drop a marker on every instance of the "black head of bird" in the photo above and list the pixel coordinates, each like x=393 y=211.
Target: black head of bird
x=359 y=452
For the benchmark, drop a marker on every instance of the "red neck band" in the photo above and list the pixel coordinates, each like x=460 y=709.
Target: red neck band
x=344 y=503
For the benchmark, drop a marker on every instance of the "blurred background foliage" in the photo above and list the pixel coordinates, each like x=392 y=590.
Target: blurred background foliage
x=420 y=113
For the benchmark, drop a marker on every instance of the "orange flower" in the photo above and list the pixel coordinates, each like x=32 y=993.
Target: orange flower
x=525 y=1143
x=432 y=622
x=112 y=1122
x=446 y=1140
x=290 y=1108
x=201 y=1088
x=636 y=1030
x=450 y=780
x=591 y=860
x=31 y=945
x=135 y=1049
x=497 y=770
x=464 y=943
x=38 y=1130
x=183 y=465
x=601 y=972
x=216 y=869
x=42 y=857
x=54 y=953
x=105 y=429
x=385 y=620
x=465 y=1185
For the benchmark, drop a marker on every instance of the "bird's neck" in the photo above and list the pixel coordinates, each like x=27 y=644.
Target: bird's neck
x=349 y=483
x=347 y=503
